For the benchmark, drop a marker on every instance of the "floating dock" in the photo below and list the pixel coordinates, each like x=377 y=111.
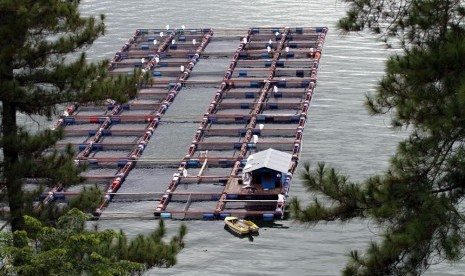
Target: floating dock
x=259 y=103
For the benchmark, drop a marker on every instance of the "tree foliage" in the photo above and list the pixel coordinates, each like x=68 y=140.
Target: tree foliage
x=43 y=67
x=71 y=249
x=88 y=200
x=417 y=201
x=411 y=22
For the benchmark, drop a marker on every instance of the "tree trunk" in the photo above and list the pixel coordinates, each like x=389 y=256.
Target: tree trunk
x=13 y=179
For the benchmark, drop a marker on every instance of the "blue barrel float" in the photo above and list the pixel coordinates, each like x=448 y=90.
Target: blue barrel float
x=249 y=95
x=165 y=215
x=208 y=216
x=97 y=146
x=224 y=215
x=122 y=163
x=254 y=84
x=69 y=120
x=268 y=216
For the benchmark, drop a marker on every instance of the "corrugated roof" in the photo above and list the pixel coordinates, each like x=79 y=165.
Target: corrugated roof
x=271 y=159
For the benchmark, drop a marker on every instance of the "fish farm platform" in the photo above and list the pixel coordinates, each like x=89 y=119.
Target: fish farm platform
x=232 y=93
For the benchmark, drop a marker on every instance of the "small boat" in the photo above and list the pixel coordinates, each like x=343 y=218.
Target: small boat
x=241 y=226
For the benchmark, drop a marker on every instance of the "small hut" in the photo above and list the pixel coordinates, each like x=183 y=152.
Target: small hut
x=268 y=168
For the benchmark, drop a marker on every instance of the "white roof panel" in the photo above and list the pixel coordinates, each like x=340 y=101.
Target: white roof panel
x=271 y=159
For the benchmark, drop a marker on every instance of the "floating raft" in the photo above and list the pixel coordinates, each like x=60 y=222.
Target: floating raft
x=258 y=102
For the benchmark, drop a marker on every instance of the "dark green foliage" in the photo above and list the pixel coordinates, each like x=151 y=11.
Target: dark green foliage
x=412 y=22
x=43 y=68
x=417 y=201
x=88 y=200
x=70 y=249
x=146 y=79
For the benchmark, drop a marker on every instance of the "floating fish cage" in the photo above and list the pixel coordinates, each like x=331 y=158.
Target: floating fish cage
x=232 y=95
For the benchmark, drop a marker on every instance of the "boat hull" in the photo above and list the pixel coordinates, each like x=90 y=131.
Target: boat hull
x=241 y=226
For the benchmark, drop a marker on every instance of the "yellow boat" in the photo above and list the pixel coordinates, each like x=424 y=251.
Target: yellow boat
x=241 y=226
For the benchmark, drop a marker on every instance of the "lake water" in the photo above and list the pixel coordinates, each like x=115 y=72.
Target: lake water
x=338 y=131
